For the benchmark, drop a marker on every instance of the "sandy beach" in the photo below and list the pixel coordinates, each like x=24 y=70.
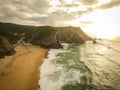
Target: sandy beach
x=21 y=71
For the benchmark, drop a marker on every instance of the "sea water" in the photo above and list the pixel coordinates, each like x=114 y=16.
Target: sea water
x=82 y=67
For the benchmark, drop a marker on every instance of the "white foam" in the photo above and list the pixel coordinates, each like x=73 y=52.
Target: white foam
x=48 y=68
x=54 y=76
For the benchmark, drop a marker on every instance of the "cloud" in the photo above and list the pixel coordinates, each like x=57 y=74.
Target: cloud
x=113 y=3
x=88 y=2
x=87 y=22
x=39 y=6
x=41 y=12
x=53 y=17
x=84 y=2
x=12 y=10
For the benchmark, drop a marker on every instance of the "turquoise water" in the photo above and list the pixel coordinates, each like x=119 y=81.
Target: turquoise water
x=82 y=67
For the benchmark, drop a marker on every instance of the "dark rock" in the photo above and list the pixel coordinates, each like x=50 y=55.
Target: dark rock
x=94 y=41
x=5 y=47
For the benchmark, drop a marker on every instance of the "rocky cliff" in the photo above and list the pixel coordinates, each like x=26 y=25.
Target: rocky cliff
x=71 y=35
x=5 y=47
x=44 y=36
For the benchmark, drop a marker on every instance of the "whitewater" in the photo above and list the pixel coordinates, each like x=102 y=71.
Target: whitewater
x=91 y=66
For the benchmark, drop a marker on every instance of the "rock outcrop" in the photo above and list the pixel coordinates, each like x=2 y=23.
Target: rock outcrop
x=5 y=47
x=71 y=35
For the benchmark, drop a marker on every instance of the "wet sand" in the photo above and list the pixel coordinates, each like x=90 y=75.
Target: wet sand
x=21 y=71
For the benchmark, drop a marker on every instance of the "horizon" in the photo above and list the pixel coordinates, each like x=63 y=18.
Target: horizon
x=100 y=18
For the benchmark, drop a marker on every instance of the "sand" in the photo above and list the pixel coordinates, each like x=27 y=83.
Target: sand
x=21 y=71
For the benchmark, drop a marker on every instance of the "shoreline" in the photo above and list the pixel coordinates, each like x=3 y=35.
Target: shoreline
x=21 y=71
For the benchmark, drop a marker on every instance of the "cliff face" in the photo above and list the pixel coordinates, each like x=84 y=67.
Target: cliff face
x=44 y=36
x=5 y=47
x=71 y=35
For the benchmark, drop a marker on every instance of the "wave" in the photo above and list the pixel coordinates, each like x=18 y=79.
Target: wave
x=82 y=67
x=64 y=67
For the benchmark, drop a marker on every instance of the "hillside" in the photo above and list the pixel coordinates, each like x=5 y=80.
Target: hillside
x=5 y=47
x=44 y=36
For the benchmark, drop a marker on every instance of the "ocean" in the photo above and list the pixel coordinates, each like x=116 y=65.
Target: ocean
x=90 y=66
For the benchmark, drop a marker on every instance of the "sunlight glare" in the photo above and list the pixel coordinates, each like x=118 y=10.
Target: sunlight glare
x=73 y=23
x=106 y=23
x=105 y=32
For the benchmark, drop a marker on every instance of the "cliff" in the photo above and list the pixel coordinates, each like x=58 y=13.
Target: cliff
x=44 y=36
x=71 y=35
x=5 y=47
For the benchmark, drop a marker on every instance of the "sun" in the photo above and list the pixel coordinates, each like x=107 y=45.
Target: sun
x=106 y=33
x=101 y=30
x=105 y=23
x=105 y=29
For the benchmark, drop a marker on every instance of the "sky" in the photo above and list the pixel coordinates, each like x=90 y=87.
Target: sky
x=98 y=17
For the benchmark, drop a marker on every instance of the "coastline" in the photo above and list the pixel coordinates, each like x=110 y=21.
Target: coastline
x=21 y=71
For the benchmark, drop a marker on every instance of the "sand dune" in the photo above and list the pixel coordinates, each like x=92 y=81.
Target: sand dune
x=21 y=71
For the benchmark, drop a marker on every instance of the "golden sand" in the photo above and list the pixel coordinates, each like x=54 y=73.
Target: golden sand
x=21 y=71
